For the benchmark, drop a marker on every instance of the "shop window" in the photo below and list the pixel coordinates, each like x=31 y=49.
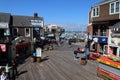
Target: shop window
x=117 y=29
x=95 y=31
x=103 y=31
x=27 y=32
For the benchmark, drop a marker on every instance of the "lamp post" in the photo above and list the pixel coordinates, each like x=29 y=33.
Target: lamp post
x=88 y=43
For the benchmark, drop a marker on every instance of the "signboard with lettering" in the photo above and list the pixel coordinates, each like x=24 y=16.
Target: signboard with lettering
x=37 y=23
x=3 y=25
x=102 y=39
x=3 y=47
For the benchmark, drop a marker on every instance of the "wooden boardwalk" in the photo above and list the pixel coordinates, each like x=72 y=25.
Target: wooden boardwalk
x=58 y=64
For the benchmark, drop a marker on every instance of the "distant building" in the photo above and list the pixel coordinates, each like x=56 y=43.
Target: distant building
x=16 y=34
x=53 y=29
x=17 y=25
x=104 y=21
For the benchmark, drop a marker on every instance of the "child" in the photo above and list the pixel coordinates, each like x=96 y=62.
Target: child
x=3 y=75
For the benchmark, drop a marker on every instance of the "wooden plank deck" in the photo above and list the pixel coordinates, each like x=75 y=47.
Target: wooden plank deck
x=58 y=64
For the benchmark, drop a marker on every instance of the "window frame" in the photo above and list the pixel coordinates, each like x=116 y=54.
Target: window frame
x=115 y=8
x=13 y=32
x=95 y=11
x=27 y=35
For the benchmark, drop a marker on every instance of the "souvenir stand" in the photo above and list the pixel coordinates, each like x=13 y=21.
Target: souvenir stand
x=109 y=64
x=21 y=46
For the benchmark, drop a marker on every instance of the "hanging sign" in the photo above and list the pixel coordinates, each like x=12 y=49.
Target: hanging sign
x=3 y=47
x=3 y=25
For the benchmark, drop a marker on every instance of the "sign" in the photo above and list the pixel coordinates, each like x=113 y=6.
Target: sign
x=3 y=47
x=3 y=25
x=101 y=39
x=95 y=39
x=36 y=23
x=38 y=52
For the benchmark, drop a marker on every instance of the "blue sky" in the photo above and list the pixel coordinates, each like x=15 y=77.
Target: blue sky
x=70 y=14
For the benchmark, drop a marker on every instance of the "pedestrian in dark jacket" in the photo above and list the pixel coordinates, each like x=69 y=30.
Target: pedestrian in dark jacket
x=14 y=69
x=75 y=55
x=69 y=42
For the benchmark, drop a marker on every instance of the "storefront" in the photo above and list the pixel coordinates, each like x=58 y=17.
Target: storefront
x=98 y=43
x=4 y=43
x=23 y=50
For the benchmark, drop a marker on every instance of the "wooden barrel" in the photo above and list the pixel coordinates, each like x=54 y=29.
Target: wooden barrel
x=38 y=59
x=32 y=59
x=83 y=61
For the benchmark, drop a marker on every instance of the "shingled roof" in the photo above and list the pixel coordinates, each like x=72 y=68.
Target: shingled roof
x=23 y=21
x=103 y=2
x=5 y=17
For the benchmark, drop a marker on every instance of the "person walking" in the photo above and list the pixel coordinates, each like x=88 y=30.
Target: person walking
x=69 y=42
x=86 y=54
x=3 y=75
x=14 y=69
x=75 y=55
x=7 y=69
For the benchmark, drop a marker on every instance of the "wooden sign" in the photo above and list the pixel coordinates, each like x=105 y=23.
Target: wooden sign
x=38 y=52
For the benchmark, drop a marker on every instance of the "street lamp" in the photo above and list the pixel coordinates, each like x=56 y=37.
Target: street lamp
x=88 y=43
